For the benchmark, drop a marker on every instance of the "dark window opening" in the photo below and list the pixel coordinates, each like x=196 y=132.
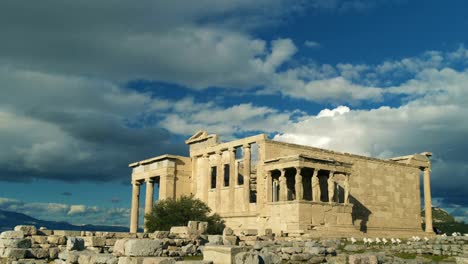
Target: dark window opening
x=226 y=175
x=213 y=177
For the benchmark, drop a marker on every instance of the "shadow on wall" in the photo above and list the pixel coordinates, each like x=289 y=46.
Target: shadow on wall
x=360 y=214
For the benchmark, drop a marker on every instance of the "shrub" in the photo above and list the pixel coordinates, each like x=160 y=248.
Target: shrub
x=177 y=212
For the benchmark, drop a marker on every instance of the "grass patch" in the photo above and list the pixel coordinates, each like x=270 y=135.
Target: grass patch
x=405 y=255
x=438 y=258
x=197 y=257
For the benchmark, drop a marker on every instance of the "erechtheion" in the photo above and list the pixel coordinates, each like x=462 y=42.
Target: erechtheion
x=291 y=189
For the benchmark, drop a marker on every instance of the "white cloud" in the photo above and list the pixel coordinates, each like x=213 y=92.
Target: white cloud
x=311 y=44
x=331 y=113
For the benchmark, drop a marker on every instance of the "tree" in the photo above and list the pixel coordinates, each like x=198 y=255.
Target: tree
x=177 y=212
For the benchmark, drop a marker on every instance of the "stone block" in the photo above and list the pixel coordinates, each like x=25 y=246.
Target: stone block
x=249 y=232
x=37 y=253
x=193 y=225
x=189 y=249
x=13 y=253
x=227 y=231
x=12 y=234
x=67 y=233
x=57 y=240
x=142 y=247
x=247 y=258
x=53 y=252
x=93 y=241
x=202 y=227
x=159 y=234
x=28 y=230
x=222 y=254
x=15 y=243
x=75 y=243
x=30 y=261
x=45 y=232
x=230 y=240
x=362 y=259
x=215 y=240
x=39 y=239
x=181 y=231
x=110 y=241
x=119 y=247
x=146 y=260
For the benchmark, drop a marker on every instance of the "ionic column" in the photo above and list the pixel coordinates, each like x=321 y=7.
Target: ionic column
x=427 y=199
x=232 y=178
x=206 y=176
x=246 y=176
x=149 y=198
x=219 y=179
x=283 y=187
x=298 y=186
x=135 y=207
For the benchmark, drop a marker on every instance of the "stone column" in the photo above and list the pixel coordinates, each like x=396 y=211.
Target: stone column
x=246 y=176
x=205 y=177
x=283 y=187
x=427 y=199
x=269 y=186
x=219 y=179
x=298 y=185
x=135 y=207
x=194 y=179
x=232 y=179
x=149 y=198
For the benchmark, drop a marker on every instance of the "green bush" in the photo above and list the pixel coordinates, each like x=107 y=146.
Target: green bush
x=177 y=212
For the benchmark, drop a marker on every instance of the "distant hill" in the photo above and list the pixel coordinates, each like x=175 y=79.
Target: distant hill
x=8 y=220
x=445 y=222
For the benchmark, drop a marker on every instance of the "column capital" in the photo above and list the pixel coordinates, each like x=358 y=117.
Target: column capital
x=205 y=155
x=246 y=146
x=298 y=169
x=149 y=180
x=136 y=183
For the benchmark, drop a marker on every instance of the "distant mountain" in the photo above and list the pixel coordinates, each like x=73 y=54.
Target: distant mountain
x=8 y=220
x=439 y=215
x=445 y=222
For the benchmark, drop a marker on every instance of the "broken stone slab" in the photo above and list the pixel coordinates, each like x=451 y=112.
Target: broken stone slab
x=194 y=262
x=28 y=230
x=45 y=232
x=75 y=243
x=12 y=234
x=222 y=254
x=119 y=247
x=15 y=243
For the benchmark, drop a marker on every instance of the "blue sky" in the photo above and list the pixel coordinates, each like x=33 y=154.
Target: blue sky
x=88 y=87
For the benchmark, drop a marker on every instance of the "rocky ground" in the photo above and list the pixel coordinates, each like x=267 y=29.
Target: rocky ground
x=189 y=244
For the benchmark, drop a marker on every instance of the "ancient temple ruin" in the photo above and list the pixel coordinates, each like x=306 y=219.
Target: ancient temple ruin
x=291 y=189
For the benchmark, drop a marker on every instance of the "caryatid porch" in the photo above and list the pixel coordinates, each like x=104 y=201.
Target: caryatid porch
x=308 y=192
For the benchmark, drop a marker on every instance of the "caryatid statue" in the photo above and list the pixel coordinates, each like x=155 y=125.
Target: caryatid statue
x=331 y=187
x=346 y=189
x=315 y=187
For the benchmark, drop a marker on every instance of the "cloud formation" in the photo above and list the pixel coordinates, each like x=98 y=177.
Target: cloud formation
x=74 y=214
